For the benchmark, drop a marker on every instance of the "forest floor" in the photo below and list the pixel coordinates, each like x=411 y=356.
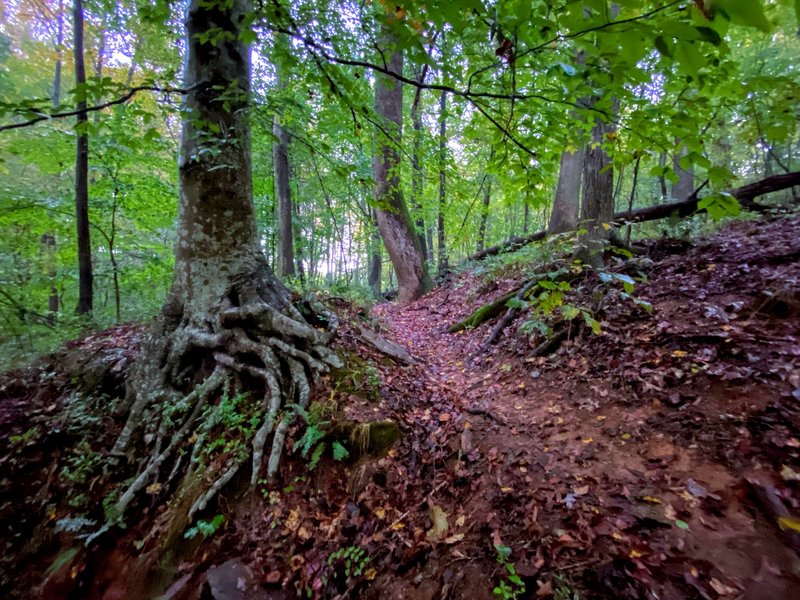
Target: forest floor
x=659 y=459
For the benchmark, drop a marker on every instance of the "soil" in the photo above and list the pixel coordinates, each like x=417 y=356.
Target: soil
x=657 y=459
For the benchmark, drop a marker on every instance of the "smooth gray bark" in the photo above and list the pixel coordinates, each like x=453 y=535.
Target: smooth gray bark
x=684 y=187
x=394 y=222
x=280 y=158
x=442 y=266
x=487 y=196
x=566 y=204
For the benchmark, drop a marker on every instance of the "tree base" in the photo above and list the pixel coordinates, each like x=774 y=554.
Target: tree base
x=214 y=385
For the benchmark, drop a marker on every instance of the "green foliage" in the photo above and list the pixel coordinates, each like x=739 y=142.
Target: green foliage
x=511 y=585
x=231 y=427
x=709 y=86
x=205 y=528
x=349 y=560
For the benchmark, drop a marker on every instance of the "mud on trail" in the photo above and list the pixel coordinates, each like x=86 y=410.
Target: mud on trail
x=660 y=459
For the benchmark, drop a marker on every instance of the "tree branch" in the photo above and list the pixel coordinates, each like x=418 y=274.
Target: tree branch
x=126 y=97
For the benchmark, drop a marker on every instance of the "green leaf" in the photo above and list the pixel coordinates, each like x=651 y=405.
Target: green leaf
x=749 y=13
x=711 y=35
x=720 y=205
x=662 y=47
x=682 y=524
x=339 y=451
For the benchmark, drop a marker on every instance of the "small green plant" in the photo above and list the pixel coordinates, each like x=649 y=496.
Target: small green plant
x=236 y=419
x=350 y=560
x=205 y=528
x=511 y=585
x=562 y=590
x=310 y=445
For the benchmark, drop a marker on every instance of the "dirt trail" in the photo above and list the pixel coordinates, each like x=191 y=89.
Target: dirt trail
x=609 y=487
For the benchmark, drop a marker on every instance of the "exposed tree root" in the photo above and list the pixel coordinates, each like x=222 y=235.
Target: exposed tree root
x=486 y=312
x=252 y=343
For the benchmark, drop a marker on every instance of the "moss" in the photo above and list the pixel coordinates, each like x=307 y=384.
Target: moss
x=372 y=439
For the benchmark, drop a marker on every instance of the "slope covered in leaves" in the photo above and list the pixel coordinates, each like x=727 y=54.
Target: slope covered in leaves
x=662 y=455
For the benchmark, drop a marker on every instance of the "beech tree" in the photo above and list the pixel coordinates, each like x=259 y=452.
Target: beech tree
x=567 y=200
x=227 y=319
x=280 y=160
x=394 y=221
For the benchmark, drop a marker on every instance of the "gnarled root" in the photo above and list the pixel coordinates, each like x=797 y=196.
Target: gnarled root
x=253 y=342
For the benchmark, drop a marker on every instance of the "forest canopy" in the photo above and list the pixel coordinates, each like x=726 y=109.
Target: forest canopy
x=497 y=96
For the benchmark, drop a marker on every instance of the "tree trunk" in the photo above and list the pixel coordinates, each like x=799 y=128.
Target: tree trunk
x=280 y=157
x=566 y=204
x=85 y=275
x=56 y=95
x=394 y=221
x=597 y=211
x=375 y=264
x=416 y=166
x=442 y=240
x=487 y=196
x=662 y=181
x=685 y=185
x=227 y=319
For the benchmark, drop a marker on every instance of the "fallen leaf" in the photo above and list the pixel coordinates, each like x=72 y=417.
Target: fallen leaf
x=545 y=589
x=791 y=523
x=439 y=518
x=789 y=474
x=722 y=589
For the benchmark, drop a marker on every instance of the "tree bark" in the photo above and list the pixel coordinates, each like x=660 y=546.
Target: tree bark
x=487 y=196
x=394 y=221
x=374 y=264
x=227 y=318
x=566 y=204
x=685 y=184
x=442 y=266
x=597 y=211
x=280 y=157
x=416 y=166
x=56 y=95
x=662 y=181
x=85 y=275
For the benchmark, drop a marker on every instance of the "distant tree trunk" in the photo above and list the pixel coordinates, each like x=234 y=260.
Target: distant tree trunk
x=48 y=250
x=632 y=197
x=85 y=275
x=566 y=205
x=416 y=166
x=442 y=257
x=56 y=96
x=526 y=216
x=662 y=181
x=597 y=212
x=374 y=268
x=685 y=185
x=487 y=195
x=394 y=221
x=280 y=158
x=48 y=240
